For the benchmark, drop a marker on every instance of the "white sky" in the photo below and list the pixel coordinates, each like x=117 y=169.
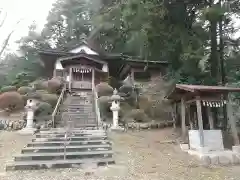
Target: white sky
x=29 y=11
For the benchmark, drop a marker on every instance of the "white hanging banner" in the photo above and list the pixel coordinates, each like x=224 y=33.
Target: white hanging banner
x=219 y=103
x=82 y=70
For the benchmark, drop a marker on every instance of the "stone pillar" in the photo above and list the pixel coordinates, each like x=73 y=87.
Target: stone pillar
x=232 y=122
x=70 y=79
x=200 y=121
x=115 y=109
x=183 y=119
x=93 y=78
x=210 y=118
x=30 y=108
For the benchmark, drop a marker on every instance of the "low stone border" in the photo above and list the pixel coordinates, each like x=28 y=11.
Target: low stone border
x=12 y=124
x=149 y=125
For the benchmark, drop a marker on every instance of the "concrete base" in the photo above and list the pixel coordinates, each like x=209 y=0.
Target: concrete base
x=118 y=129
x=236 y=149
x=221 y=157
x=27 y=131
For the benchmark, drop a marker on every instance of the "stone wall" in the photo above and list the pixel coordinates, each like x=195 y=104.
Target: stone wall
x=12 y=121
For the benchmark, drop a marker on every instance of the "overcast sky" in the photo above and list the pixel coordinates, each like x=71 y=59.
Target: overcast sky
x=29 y=11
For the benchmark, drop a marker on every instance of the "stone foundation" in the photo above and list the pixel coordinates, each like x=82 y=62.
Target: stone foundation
x=221 y=157
x=10 y=125
x=149 y=125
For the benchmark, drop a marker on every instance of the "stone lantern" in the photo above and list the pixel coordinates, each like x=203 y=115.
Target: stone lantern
x=115 y=107
x=30 y=109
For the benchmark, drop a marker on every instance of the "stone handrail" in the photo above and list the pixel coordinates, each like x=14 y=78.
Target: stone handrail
x=58 y=104
x=97 y=111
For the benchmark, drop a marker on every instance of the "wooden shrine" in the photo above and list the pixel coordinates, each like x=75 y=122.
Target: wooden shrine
x=85 y=65
x=197 y=104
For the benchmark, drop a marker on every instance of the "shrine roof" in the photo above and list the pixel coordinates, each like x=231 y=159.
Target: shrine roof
x=75 y=57
x=181 y=89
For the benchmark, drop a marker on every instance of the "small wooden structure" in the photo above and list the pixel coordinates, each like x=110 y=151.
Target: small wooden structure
x=196 y=99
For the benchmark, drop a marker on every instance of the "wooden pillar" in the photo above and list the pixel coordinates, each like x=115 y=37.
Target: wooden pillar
x=190 y=117
x=210 y=117
x=232 y=121
x=183 y=118
x=70 y=79
x=132 y=75
x=93 y=78
x=54 y=72
x=200 y=121
x=174 y=114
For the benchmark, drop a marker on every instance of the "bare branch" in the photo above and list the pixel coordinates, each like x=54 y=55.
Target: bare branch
x=8 y=38
x=4 y=18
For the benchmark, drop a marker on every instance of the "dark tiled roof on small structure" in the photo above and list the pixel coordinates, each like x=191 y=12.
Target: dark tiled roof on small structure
x=179 y=89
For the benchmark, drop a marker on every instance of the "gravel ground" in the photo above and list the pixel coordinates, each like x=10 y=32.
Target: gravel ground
x=139 y=156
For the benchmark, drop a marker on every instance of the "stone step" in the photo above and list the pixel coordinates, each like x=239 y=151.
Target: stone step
x=60 y=130
x=60 y=155
x=77 y=118
x=69 y=113
x=68 y=148
x=71 y=137
x=67 y=163
x=73 y=134
x=83 y=111
x=78 y=105
x=72 y=143
x=80 y=119
x=81 y=114
x=75 y=129
x=80 y=124
x=77 y=133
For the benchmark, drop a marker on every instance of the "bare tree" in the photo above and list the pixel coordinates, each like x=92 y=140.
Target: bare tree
x=6 y=41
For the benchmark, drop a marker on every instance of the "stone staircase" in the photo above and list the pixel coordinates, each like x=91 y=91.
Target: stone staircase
x=78 y=111
x=76 y=142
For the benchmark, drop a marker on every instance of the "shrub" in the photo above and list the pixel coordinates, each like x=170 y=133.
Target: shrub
x=54 y=85
x=43 y=109
x=8 y=89
x=125 y=108
x=40 y=84
x=104 y=89
x=138 y=115
x=126 y=89
x=11 y=101
x=50 y=98
x=25 y=90
x=104 y=105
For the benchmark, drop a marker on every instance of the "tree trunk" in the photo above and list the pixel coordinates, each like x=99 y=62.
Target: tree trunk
x=214 y=52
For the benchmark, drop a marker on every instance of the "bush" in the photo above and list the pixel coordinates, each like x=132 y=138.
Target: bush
x=25 y=90
x=50 y=98
x=125 y=108
x=40 y=84
x=11 y=101
x=104 y=89
x=126 y=89
x=138 y=115
x=43 y=109
x=54 y=85
x=8 y=89
x=104 y=105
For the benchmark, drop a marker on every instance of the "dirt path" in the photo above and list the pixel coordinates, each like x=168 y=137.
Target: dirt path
x=139 y=156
